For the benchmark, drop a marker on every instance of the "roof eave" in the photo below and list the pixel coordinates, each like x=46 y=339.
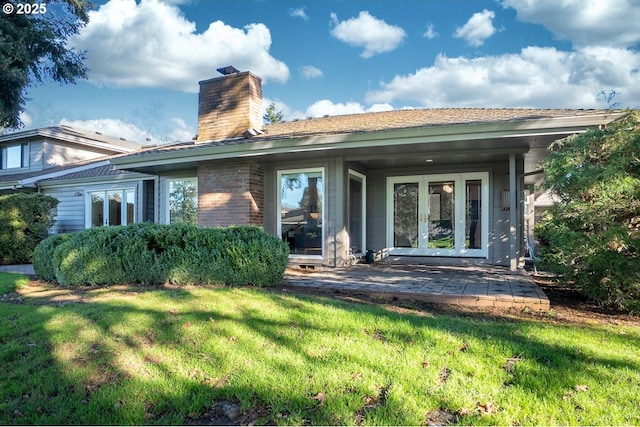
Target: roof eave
x=560 y=126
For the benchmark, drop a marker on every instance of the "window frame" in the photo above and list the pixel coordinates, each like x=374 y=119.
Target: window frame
x=124 y=191
x=167 y=207
x=24 y=156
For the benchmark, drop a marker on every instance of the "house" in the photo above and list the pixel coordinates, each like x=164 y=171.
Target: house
x=430 y=185
x=73 y=166
x=433 y=184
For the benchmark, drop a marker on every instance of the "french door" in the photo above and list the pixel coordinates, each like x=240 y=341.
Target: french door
x=439 y=215
x=111 y=207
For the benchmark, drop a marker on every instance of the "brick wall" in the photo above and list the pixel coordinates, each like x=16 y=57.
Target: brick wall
x=231 y=193
x=228 y=106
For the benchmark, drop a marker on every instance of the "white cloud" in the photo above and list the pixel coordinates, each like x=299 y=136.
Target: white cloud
x=326 y=107
x=119 y=129
x=374 y=35
x=430 y=33
x=536 y=77
x=584 y=22
x=26 y=119
x=311 y=72
x=152 y=44
x=299 y=13
x=478 y=28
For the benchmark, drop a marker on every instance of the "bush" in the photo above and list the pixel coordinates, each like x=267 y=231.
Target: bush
x=178 y=254
x=25 y=220
x=43 y=256
x=592 y=237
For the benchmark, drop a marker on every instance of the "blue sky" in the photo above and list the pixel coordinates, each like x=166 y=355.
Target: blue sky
x=327 y=57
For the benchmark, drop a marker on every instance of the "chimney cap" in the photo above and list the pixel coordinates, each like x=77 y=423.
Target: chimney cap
x=229 y=69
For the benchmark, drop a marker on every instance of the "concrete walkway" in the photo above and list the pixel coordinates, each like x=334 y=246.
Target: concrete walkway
x=19 y=269
x=481 y=286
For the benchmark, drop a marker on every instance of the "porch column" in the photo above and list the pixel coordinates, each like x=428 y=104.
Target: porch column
x=513 y=215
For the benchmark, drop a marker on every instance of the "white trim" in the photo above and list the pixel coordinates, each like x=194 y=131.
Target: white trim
x=363 y=180
x=322 y=170
x=459 y=180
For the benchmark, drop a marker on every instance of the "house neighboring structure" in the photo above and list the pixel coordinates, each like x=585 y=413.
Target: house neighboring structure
x=443 y=184
x=73 y=166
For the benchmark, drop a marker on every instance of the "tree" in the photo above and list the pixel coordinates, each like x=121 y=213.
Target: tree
x=592 y=237
x=271 y=116
x=33 y=47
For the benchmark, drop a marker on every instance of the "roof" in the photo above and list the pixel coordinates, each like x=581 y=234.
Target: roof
x=403 y=119
x=77 y=136
x=93 y=168
x=362 y=124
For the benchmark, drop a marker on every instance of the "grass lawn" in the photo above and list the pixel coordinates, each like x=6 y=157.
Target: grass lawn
x=127 y=355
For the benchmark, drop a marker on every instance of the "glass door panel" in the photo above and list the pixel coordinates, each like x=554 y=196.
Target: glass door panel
x=473 y=214
x=405 y=215
x=441 y=215
x=115 y=207
x=97 y=209
x=130 y=196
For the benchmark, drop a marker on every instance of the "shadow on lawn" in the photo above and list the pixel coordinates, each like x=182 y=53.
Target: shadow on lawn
x=108 y=356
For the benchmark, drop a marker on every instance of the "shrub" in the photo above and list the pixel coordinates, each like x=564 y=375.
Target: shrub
x=42 y=258
x=24 y=222
x=177 y=253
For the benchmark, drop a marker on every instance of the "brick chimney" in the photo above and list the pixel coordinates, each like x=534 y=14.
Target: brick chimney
x=229 y=106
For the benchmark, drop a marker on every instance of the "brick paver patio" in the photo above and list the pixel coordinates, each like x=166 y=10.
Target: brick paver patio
x=482 y=286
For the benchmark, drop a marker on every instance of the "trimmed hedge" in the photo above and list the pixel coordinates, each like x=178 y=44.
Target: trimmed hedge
x=43 y=256
x=156 y=254
x=25 y=219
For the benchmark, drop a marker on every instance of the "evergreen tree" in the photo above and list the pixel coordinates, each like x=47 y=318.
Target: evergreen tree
x=33 y=47
x=592 y=237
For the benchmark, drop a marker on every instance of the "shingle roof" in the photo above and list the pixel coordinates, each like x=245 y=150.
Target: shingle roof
x=401 y=119
x=377 y=121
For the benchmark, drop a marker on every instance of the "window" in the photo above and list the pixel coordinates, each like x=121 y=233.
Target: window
x=14 y=156
x=111 y=207
x=301 y=207
x=182 y=200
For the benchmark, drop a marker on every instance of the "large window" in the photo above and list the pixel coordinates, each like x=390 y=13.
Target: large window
x=183 y=200
x=14 y=156
x=301 y=207
x=111 y=207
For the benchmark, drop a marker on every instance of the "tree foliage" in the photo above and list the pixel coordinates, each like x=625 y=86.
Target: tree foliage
x=272 y=116
x=33 y=47
x=592 y=237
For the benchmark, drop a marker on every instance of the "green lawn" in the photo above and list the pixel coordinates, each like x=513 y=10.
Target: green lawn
x=127 y=355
